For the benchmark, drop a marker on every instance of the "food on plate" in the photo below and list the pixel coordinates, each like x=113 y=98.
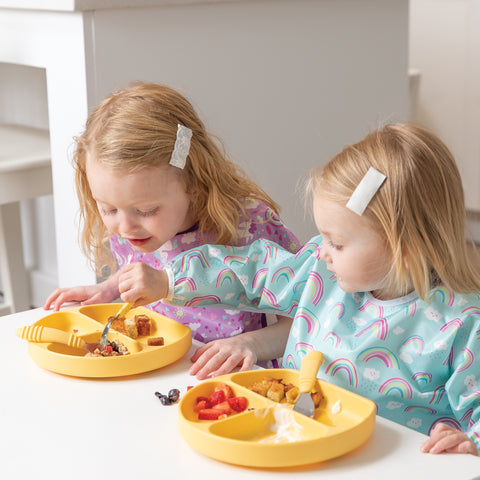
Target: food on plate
x=138 y=326
x=221 y=403
x=278 y=391
x=111 y=349
x=156 y=341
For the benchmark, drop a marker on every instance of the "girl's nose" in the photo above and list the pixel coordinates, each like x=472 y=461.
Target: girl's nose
x=126 y=223
x=324 y=254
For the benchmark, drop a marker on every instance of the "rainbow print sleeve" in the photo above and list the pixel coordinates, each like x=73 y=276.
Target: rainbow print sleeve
x=463 y=386
x=259 y=277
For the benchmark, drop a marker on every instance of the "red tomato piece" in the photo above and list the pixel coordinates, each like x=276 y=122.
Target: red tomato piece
x=227 y=389
x=224 y=407
x=202 y=404
x=238 y=404
x=209 y=414
x=216 y=397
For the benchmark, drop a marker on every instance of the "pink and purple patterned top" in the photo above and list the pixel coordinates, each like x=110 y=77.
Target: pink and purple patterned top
x=209 y=324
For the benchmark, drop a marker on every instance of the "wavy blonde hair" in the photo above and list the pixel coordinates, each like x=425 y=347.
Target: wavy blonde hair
x=419 y=209
x=136 y=128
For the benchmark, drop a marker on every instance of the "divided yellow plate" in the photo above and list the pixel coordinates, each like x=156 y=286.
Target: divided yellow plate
x=88 y=323
x=341 y=423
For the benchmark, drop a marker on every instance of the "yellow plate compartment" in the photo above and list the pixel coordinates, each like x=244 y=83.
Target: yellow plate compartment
x=88 y=323
x=341 y=423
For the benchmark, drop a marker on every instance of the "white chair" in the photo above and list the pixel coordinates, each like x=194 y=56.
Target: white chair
x=25 y=172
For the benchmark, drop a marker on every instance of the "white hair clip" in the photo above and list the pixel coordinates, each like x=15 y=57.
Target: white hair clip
x=182 y=147
x=365 y=191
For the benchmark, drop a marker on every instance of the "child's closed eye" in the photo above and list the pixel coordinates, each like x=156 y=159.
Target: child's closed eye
x=108 y=211
x=334 y=245
x=147 y=213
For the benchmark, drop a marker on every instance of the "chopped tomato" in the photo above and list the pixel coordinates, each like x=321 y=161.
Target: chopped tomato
x=238 y=404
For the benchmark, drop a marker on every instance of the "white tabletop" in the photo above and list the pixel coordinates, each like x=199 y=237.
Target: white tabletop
x=58 y=427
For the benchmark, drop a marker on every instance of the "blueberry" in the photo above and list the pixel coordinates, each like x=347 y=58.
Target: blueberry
x=159 y=395
x=165 y=400
x=174 y=395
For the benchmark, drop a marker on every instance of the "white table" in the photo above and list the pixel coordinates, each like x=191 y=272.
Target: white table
x=57 y=427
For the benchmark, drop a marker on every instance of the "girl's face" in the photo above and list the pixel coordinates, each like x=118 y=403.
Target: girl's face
x=147 y=208
x=353 y=250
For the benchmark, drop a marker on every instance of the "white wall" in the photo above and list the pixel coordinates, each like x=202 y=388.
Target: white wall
x=445 y=47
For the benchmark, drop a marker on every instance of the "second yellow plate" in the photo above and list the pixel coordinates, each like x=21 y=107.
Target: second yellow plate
x=341 y=423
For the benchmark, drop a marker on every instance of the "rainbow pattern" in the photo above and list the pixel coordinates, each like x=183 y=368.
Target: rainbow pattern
x=397 y=385
x=447 y=295
x=271 y=218
x=187 y=283
x=192 y=255
x=291 y=308
x=206 y=298
x=285 y=273
x=338 y=310
x=308 y=248
x=471 y=311
x=236 y=260
x=438 y=393
x=302 y=348
x=448 y=421
x=313 y=325
x=453 y=325
x=411 y=309
x=299 y=286
x=412 y=408
x=467 y=416
x=315 y=286
x=332 y=338
x=289 y=361
x=416 y=342
x=343 y=364
x=259 y=277
x=225 y=275
x=449 y=360
x=379 y=328
x=422 y=376
x=269 y=298
x=468 y=358
x=244 y=300
x=376 y=310
x=471 y=396
x=380 y=353
x=270 y=252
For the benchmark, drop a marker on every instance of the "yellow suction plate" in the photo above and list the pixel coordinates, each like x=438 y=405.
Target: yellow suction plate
x=88 y=323
x=341 y=423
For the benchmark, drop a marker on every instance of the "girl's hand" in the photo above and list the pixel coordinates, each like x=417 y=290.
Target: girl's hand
x=87 y=295
x=446 y=439
x=140 y=284
x=222 y=356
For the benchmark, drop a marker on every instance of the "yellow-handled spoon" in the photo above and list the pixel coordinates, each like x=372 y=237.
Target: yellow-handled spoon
x=41 y=334
x=308 y=376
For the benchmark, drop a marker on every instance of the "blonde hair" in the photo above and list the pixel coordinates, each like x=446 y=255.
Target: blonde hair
x=136 y=128
x=419 y=209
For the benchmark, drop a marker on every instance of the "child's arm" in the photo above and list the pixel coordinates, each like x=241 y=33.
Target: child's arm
x=104 y=292
x=462 y=390
x=222 y=356
x=446 y=439
x=259 y=277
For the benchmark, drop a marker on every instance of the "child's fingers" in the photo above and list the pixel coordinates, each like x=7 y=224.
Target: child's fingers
x=447 y=439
